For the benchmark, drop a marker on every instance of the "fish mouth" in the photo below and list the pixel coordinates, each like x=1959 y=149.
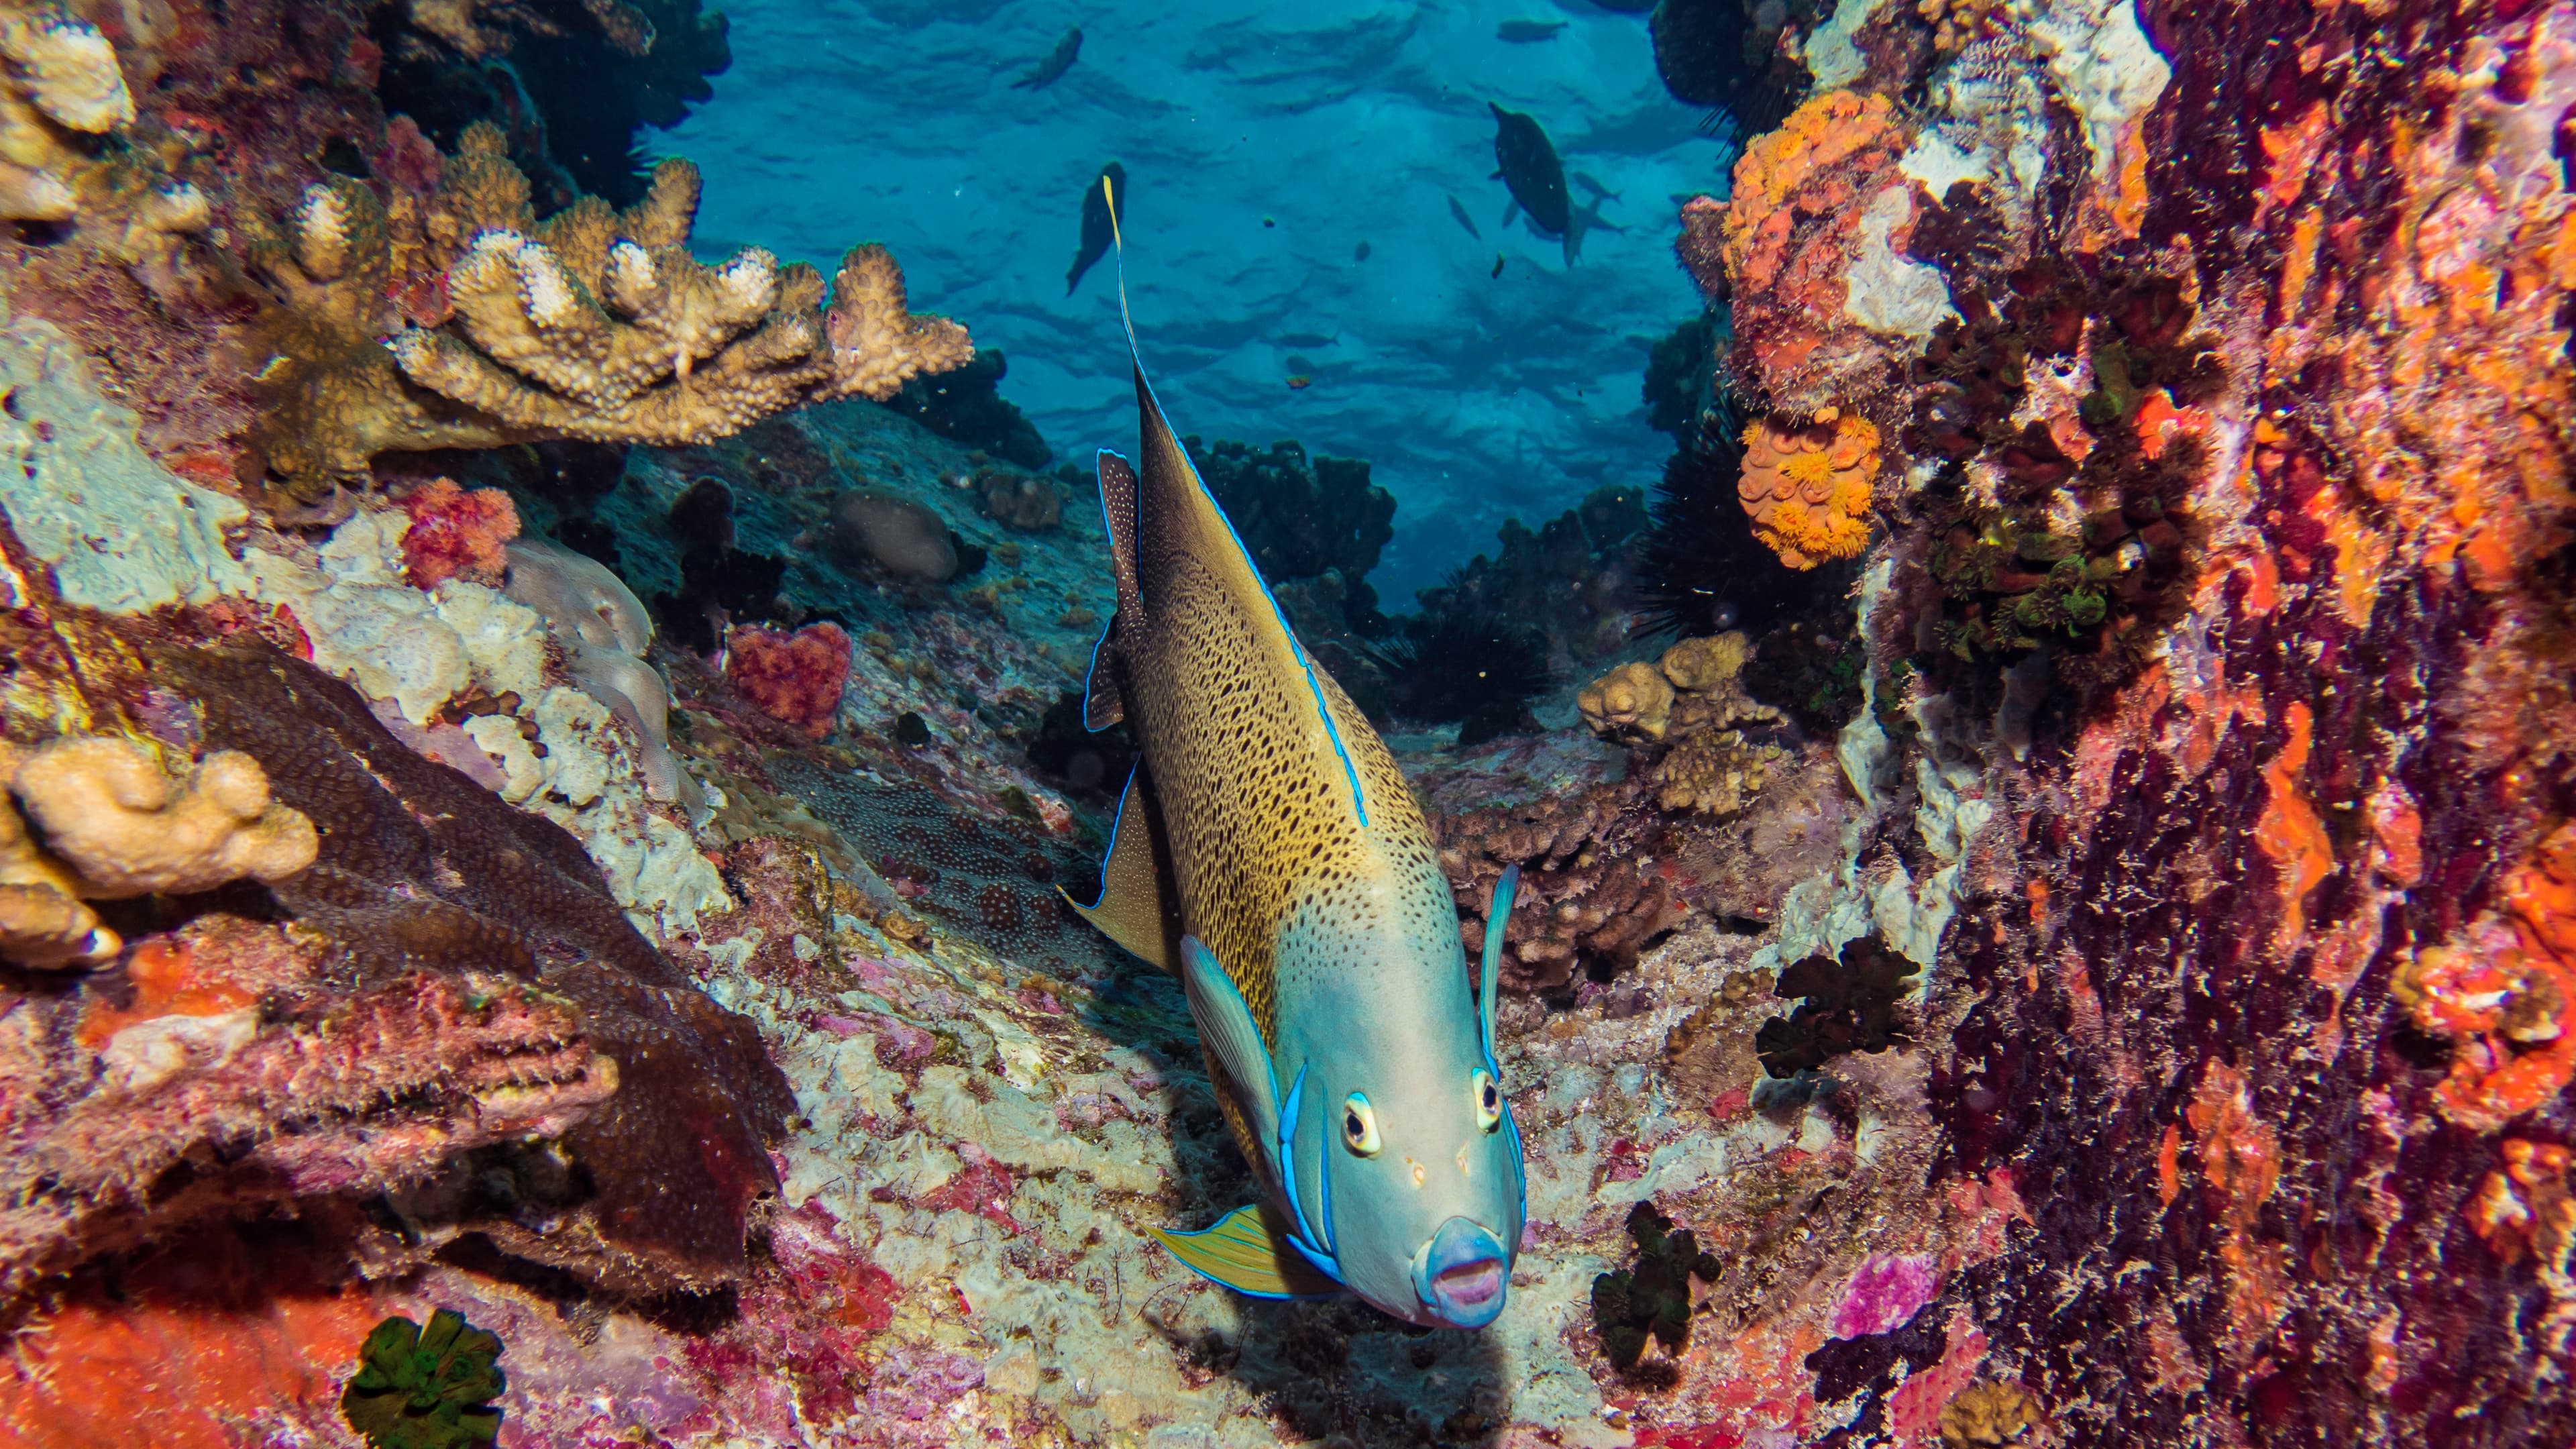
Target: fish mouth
x=1460 y=1276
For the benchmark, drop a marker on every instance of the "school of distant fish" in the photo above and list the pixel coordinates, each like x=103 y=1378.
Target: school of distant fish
x=1526 y=163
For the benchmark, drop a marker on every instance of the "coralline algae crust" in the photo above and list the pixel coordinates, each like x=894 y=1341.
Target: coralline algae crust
x=122 y=533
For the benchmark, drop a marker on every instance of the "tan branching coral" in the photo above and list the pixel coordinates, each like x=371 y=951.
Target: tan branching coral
x=1808 y=488
x=1691 y=701
x=111 y=812
x=595 y=324
x=1584 y=893
x=114 y=825
x=1632 y=701
x=62 y=85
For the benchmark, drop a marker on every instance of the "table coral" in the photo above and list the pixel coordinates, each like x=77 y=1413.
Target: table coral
x=796 y=678
x=594 y=325
x=1792 y=230
x=1807 y=489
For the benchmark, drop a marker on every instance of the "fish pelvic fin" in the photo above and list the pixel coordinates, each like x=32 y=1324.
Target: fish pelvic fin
x=1138 y=908
x=1247 y=1250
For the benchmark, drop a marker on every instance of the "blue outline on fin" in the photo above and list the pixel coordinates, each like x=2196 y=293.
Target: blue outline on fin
x=1237 y=1288
x=1325 y=1262
x=1101 y=643
x=1111 y=852
x=1136 y=358
x=1498 y=913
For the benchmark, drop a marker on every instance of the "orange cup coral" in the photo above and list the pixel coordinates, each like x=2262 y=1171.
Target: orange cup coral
x=1808 y=489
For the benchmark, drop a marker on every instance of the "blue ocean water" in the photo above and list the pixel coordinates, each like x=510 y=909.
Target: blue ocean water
x=1290 y=172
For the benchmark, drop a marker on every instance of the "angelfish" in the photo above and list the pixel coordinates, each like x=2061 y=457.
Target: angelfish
x=1268 y=853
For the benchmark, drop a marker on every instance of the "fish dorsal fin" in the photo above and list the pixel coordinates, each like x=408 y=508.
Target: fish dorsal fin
x=1175 y=502
x=1138 y=908
x=1247 y=1250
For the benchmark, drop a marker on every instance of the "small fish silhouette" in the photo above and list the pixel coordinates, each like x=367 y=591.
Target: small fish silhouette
x=1050 y=70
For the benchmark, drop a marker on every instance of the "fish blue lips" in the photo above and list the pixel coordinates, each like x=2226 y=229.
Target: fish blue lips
x=1459 y=1276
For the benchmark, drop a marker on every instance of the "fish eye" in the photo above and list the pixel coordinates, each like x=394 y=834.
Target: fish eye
x=1359 y=1125
x=1489 y=1100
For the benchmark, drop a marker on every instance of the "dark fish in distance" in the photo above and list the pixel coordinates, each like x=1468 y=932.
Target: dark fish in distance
x=1498 y=264
x=1099 y=224
x=1464 y=219
x=1050 y=70
x=1531 y=169
x=1526 y=32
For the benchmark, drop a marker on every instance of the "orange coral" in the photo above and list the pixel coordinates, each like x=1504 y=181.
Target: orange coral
x=457 y=535
x=2504 y=994
x=2525 y=1207
x=795 y=678
x=1808 y=489
x=1790 y=233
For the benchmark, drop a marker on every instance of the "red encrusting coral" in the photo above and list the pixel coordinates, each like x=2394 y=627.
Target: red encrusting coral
x=796 y=678
x=456 y=534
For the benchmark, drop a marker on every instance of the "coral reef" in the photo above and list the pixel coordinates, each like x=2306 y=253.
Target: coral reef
x=1302 y=519
x=110 y=812
x=594 y=325
x=426 y=1387
x=1700 y=569
x=1693 y=706
x=1585 y=897
x=796 y=678
x=1807 y=489
x=63 y=84
x=1023 y=501
x=2074 y=416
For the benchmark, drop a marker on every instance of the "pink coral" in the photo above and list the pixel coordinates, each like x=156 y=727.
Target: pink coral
x=1884 y=1293
x=458 y=535
x=795 y=678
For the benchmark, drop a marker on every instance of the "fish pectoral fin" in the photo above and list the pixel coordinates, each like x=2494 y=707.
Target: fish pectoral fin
x=1138 y=908
x=1247 y=1250
x=1232 y=1037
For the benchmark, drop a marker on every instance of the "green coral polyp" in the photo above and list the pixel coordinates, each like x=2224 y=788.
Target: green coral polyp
x=426 y=1388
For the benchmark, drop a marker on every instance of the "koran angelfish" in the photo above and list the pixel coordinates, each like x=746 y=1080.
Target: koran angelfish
x=1268 y=853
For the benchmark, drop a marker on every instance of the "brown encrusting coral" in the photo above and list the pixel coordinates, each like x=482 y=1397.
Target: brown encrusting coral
x=1585 y=895
x=595 y=324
